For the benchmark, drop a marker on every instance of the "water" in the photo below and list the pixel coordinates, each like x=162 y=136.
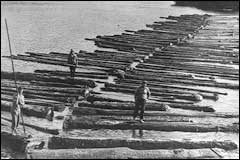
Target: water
x=59 y=26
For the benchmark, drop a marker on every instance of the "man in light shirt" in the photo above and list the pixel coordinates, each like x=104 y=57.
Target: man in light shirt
x=18 y=102
x=142 y=94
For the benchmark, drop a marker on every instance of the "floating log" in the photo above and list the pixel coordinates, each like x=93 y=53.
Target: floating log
x=125 y=82
x=28 y=91
x=39 y=77
x=57 y=142
x=35 y=96
x=194 y=96
x=149 y=106
x=82 y=60
x=98 y=111
x=29 y=110
x=93 y=98
x=160 y=93
x=123 y=105
x=120 y=153
x=80 y=123
x=69 y=90
x=77 y=74
x=147 y=118
x=39 y=102
x=42 y=129
x=54 y=62
x=16 y=143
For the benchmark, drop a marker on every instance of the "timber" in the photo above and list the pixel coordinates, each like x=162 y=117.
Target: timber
x=57 y=142
x=97 y=111
x=29 y=110
x=39 y=77
x=17 y=143
x=120 y=153
x=42 y=129
x=80 y=123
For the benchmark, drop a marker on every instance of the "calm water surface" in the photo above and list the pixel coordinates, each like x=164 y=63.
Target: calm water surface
x=59 y=26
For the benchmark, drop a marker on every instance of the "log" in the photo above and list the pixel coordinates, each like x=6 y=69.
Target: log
x=122 y=105
x=37 y=111
x=82 y=60
x=39 y=102
x=125 y=82
x=39 y=77
x=77 y=74
x=149 y=106
x=42 y=129
x=120 y=153
x=147 y=118
x=57 y=142
x=184 y=94
x=52 y=62
x=28 y=91
x=16 y=143
x=66 y=90
x=98 y=111
x=35 y=96
x=189 y=97
x=93 y=98
x=83 y=123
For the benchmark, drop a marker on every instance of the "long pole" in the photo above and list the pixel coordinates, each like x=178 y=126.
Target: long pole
x=15 y=79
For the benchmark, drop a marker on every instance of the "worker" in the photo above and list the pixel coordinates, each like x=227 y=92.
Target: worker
x=50 y=113
x=72 y=59
x=18 y=102
x=119 y=73
x=86 y=92
x=142 y=94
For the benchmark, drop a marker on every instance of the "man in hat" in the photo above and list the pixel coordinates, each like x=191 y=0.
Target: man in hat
x=18 y=102
x=72 y=59
x=142 y=94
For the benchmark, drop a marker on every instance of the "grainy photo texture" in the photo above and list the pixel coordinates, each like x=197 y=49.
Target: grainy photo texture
x=119 y=79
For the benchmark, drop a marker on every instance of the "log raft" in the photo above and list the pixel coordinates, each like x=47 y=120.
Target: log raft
x=169 y=54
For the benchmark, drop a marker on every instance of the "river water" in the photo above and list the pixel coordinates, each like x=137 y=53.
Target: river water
x=59 y=26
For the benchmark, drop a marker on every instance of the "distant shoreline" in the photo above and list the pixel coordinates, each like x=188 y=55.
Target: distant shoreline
x=220 y=6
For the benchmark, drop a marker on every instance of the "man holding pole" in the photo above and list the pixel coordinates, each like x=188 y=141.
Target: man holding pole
x=18 y=102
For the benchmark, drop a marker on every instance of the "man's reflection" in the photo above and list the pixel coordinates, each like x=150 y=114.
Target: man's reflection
x=135 y=135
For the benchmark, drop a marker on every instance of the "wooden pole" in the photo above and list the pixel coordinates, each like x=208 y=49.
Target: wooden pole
x=15 y=79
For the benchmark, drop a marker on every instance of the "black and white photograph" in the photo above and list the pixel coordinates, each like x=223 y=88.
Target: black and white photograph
x=119 y=79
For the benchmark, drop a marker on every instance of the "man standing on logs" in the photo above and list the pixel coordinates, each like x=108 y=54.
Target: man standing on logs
x=142 y=94
x=18 y=102
x=72 y=59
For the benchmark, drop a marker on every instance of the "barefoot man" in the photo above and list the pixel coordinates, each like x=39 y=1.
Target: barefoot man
x=18 y=102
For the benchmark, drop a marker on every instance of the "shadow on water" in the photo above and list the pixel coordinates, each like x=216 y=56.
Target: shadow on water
x=215 y=6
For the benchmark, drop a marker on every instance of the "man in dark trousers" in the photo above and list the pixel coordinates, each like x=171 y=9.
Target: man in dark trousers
x=72 y=59
x=142 y=94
